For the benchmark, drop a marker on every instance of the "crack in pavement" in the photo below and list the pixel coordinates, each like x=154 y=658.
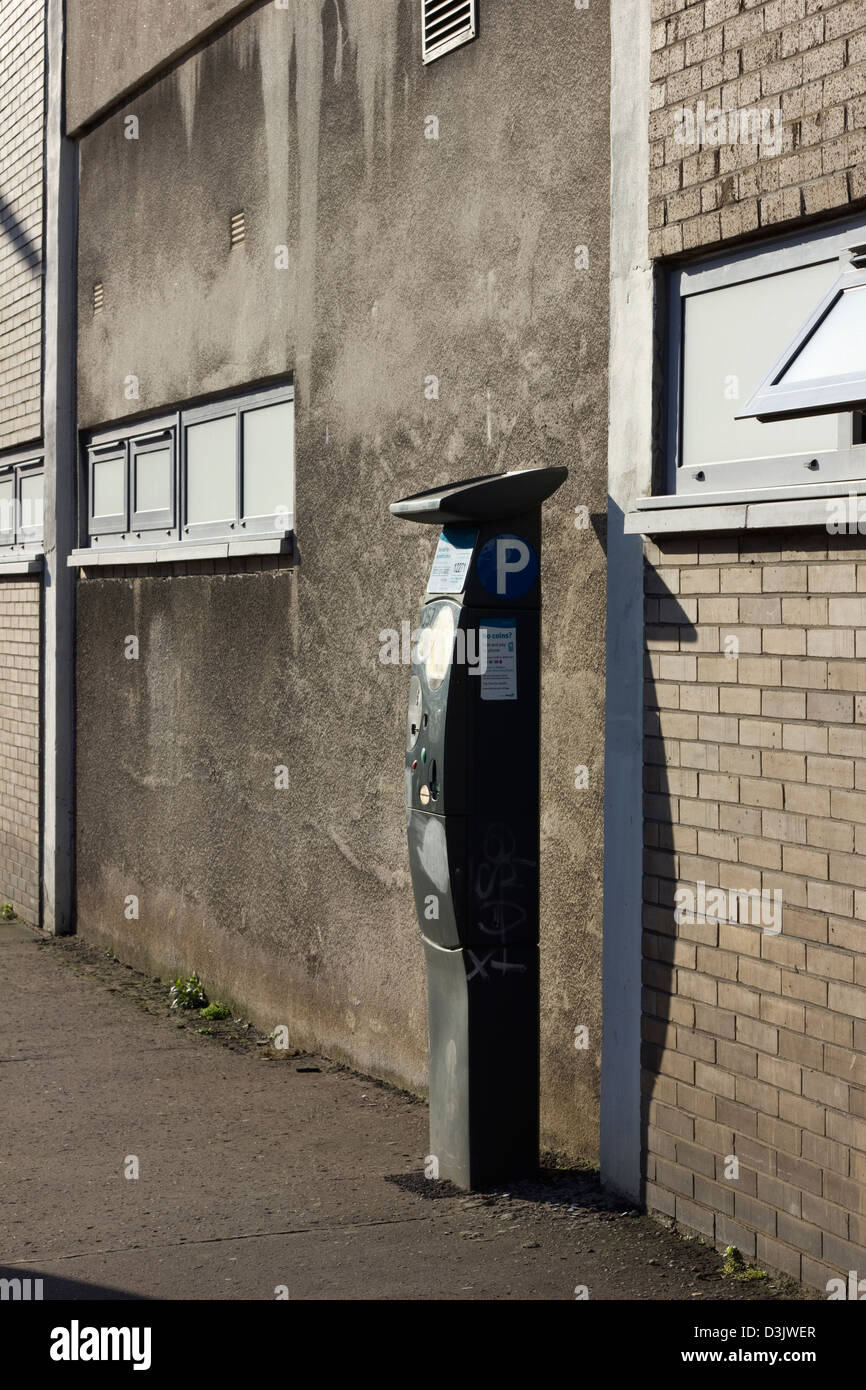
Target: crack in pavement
x=218 y=1240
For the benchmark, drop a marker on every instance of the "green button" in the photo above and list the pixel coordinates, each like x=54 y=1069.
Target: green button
x=423 y=755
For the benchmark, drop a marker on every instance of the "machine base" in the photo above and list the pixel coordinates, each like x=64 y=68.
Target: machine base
x=484 y=1020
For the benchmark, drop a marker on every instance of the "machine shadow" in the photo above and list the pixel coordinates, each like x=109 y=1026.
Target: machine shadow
x=18 y=1284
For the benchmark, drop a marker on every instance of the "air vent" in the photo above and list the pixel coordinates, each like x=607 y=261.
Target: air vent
x=447 y=24
x=238 y=229
x=98 y=298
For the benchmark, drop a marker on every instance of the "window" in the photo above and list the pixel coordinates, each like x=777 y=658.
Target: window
x=446 y=24
x=21 y=504
x=750 y=337
x=823 y=368
x=217 y=471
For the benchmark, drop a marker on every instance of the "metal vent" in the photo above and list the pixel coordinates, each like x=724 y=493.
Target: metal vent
x=238 y=228
x=98 y=298
x=447 y=24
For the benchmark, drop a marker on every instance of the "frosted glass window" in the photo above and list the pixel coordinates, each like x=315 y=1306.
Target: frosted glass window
x=109 y=487
x=153 y=481
x=268 y=443
x=211 y=471
x=731 y=338
x=838 y=345
x=7 y=504
x=32 y=489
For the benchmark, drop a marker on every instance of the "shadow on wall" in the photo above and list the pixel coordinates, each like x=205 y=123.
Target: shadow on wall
x=27 y=250
x=666 y=1115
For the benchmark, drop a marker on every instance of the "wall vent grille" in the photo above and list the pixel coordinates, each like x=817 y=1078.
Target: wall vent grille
x=238 y=228
x=98 y=298
x=446 y=24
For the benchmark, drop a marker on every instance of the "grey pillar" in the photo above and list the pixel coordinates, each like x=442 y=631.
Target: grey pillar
x=59 y=422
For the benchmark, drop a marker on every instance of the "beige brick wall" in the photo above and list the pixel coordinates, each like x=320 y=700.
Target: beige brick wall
x=21 y=160
x=755 y=779
x=806 y=60
x=19 y=745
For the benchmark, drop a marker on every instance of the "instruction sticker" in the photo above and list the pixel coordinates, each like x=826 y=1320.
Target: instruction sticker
x=452 y=559
x=499 y=639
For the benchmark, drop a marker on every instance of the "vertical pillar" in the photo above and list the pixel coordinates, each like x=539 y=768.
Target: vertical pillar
x=629 y=477
x=59 y=424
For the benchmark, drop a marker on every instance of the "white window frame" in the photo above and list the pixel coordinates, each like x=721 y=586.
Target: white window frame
x=168 y=529
x=155 y=441
x=18 y=537
x=833 y=393
x=806 y=471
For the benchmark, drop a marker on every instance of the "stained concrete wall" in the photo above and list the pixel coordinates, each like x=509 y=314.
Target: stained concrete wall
x=409 y=258
x=111 y=50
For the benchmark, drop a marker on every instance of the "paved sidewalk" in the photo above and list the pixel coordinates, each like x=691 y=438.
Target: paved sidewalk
x=256 y=1172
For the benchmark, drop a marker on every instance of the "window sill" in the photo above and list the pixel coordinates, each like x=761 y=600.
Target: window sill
x=21 y=562
x=763 y=509
x=180 y=551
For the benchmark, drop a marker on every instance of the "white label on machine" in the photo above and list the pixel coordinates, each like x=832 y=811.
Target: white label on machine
x=499 y=681
x=452 y=559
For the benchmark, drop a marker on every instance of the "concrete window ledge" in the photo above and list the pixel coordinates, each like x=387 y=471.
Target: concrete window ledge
x=839 y=508
x=21 y=562
x=179 y=551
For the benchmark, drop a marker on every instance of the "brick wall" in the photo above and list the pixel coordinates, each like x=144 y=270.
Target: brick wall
x=19 y=745
x=806 y=60
x=755 y=779
x=21 y=160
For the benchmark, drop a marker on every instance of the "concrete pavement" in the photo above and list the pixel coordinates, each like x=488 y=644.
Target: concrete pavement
x=256 y=1172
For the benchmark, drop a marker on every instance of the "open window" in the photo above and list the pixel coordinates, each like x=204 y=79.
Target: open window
x=823 y=367
x=767 y=365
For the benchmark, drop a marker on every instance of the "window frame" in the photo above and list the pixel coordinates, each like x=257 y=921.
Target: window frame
x=107 y=523
x=30 y=536
x=170 y=528
x=845 y=462
x=19 y=537
x=154 y=442
x=773 y=400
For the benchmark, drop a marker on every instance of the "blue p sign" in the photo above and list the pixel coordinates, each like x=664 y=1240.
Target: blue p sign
x=507 y=566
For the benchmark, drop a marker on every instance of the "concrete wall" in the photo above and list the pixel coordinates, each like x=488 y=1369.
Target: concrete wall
x=19 y=745
x=109 y=53
x=409 y=258
x=803 y=62
x=184 y=313
x=22 y=38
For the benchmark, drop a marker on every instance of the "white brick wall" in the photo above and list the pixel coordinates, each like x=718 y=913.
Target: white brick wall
x=19 y=745
x=22 y=25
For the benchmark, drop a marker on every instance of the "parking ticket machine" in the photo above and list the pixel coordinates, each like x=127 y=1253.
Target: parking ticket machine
x=472 y=814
